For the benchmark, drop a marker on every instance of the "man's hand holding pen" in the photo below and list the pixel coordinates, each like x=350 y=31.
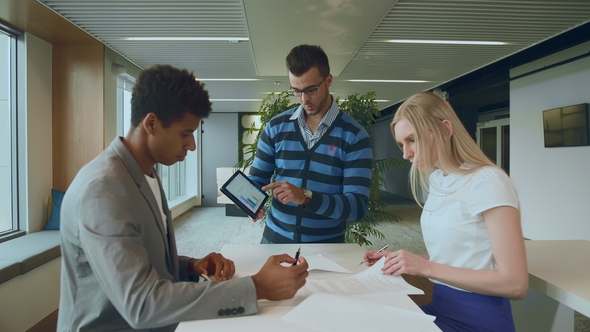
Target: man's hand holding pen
x=277 y=282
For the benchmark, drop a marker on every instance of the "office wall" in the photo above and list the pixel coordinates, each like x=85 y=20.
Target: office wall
x=552 y=183
x=110 y=92
x=78 y=109
x=38 y=132
x=28 y=298
x=219 y=149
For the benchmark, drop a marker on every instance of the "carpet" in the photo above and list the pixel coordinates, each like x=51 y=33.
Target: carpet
x=202 y=230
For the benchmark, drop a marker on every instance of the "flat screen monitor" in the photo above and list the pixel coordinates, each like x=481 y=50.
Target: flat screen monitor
x=566 y=126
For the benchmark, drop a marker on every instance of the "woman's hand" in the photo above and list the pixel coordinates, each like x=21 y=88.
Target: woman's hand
x=404 y=262
x=372 y=256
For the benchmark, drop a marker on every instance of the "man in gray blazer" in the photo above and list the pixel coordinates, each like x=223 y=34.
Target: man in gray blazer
x=120 y=268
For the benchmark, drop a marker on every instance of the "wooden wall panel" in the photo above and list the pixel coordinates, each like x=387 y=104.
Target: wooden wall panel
x=34 y=18
x=78 y=109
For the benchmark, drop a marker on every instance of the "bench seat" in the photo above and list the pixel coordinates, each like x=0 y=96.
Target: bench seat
x=21 y=255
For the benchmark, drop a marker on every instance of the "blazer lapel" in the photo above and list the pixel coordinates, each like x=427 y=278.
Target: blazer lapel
x=171 y=247
x=148 y=195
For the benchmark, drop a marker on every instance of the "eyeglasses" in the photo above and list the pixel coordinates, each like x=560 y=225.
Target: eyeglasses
x=312 y=90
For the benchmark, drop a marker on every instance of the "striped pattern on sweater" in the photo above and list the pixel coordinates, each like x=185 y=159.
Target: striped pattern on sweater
x=337 y=170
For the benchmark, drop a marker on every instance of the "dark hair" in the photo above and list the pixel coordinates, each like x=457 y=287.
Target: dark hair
x=303 y=57
x=169 y=93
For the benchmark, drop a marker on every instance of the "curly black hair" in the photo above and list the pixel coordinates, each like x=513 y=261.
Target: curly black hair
x=169 y=93
x=303 y=57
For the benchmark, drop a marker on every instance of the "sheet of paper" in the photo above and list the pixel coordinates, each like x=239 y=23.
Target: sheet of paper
x=320 y=262
x=368 y=283
x=325 y=312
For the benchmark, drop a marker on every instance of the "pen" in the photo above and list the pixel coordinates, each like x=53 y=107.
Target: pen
x=380 y=250
x=204 y=276
x=297 y=256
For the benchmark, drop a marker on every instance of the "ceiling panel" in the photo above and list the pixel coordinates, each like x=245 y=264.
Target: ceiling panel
x=113 y=21
x=340 y=27
x=351 y=31
x=520 y=23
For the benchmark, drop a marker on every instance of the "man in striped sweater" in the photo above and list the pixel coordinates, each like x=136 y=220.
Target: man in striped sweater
x=321 y=159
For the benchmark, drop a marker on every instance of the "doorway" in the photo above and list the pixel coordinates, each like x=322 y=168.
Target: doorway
x=219 y=149
x=493 y=138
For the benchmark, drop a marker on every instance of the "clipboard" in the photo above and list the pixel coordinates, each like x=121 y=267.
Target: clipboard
x=245 y=193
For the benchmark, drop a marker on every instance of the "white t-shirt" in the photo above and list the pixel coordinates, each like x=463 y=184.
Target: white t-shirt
x=153 y=182
x=453 y=227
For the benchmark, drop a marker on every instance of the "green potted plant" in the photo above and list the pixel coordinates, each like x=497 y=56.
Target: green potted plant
x=362 y=108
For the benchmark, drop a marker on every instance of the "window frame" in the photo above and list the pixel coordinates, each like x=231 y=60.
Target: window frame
x=17 y=157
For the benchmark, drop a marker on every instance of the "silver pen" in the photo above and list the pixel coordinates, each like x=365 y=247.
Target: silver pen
x=378 y=251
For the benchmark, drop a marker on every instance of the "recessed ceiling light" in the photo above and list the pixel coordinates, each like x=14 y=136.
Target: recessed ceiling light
x=389 y=81
x=235 y=99
x=376 y=100
x=451 y=42
x=231 y=39
x=229 y=79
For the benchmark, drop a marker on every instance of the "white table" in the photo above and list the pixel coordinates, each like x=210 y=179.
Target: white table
x=559 y=282
x=249 y=258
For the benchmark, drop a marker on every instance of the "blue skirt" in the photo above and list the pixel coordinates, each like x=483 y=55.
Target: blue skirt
x=462 y=311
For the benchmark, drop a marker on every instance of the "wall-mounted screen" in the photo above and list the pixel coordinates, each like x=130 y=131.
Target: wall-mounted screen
x=566 y=126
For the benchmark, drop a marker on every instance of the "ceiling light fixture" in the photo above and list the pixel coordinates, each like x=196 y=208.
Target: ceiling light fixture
x=235 y=99
x=449 y=42
x=228 y=79
x=376 y=100
x=389 y=81
x=230 y=39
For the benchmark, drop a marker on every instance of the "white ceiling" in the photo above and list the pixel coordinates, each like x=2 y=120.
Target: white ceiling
x=350 y=31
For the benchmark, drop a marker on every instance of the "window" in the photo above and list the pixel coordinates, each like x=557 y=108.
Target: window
x=125 y=85
x=177 y=184
x=173 y=179
x=8 y=134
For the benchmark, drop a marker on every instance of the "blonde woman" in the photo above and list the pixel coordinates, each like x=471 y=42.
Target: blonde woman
x=470 y=221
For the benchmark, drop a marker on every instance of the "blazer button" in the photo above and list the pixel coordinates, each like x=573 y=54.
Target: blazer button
x=227 y=311
x=234 y=311
x=221 y=312
x=240 y=310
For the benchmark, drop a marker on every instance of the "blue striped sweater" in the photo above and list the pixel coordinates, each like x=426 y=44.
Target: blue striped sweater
x=337 y=170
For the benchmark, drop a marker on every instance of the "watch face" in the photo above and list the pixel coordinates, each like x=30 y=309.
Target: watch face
x=307 y=193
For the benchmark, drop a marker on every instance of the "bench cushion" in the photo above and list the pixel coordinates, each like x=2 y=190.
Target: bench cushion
x=31 y=250
x=9 y=270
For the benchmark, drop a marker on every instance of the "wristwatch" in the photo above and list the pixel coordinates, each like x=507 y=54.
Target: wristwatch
x=308 y=194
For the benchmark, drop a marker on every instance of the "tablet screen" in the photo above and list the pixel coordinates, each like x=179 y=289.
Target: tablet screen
x=245 y=192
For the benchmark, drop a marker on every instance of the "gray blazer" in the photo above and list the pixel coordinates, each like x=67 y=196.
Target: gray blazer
x=120 y=270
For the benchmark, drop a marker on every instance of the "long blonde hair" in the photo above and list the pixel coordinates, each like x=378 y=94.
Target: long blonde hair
x=426 y=111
